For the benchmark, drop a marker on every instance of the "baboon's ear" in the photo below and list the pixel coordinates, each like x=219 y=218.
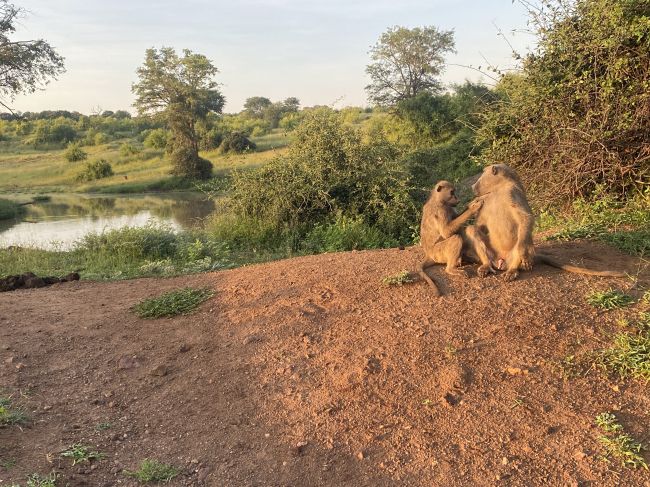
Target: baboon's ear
x=495 y=170
x=438 y=189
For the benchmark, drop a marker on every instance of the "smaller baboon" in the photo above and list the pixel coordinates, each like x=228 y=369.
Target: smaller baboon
x=442 y=238
x=506 y=221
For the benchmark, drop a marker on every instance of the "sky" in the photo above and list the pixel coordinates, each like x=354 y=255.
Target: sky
x=314 y=50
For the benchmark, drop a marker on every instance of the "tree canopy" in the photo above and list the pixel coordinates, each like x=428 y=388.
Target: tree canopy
x=26 y=65
x=407 y=62
x=181 y=90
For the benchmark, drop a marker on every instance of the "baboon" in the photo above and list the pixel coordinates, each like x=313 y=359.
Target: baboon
x=443 y=239
x=505 y=221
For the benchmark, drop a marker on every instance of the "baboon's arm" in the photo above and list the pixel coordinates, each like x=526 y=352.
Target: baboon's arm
x=451 y=227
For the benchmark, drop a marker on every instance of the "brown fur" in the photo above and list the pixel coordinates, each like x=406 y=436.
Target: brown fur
x=506 y=222
x=440 y=231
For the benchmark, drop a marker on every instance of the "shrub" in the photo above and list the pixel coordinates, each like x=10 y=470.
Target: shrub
x=329 y=170
x=156 y=139
x=345 y=233
x=236 y=142
x=95 y=170
x=576 y=117
x=101 y=138
x=211 y=139
x=187 y=163
x=127 y=149
x=75 y=153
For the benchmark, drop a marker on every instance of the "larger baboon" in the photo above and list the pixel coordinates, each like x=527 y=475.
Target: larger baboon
x=442 y=237
x=506 y=222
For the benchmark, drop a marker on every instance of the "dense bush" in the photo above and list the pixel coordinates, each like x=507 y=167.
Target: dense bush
x=127 y=149
x=578 y=115
x=95 y=170
x=156 y=139
x=187 y=163
x=343 y=234
x=75 y=153
x=329 y=171
x=236 y=142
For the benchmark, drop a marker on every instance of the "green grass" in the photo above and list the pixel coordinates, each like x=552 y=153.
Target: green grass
x=37 y=480
x=173 y=303
x=618 y=444
x=398 y=279
x=24 y=169
x=80 y=453
x=10 y=415
x=153 y=471
x=9 y=209
x=629 y=356
x=610 y=299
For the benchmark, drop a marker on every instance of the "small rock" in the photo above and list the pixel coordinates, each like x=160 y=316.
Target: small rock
x=20 y=366
x=579 y=455
x=160 y=371
x=128 y=362
x=504 y=461
x=250 y=339
x=10 y=360
x=184 y=347
x=47 y=408
x=517 y=371
x=361 y=455
x=203 y=473
x=73 y=276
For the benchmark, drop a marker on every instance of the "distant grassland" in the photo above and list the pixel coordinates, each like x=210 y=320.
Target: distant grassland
x=24 y=169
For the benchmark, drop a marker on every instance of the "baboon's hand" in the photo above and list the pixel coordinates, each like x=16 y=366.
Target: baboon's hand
x=509 y=276
x=526 y=263
x=485 y=270
x=475 y=206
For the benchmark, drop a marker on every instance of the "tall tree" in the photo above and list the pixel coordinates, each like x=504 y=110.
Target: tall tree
x=181 y=91
x=407 y=62
x=256 y=105
x=25 y=66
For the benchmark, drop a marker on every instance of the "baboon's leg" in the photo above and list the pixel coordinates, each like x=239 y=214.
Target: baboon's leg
x=449 y=252
x=476 y=249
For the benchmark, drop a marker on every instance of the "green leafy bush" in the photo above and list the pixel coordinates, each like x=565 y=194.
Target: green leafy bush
x=172 y=303
x=345 y=233
x=329 y=171
x=156 y=139
x=75 y=153
x=236 y=142
x=95 y=170
x=576 y=117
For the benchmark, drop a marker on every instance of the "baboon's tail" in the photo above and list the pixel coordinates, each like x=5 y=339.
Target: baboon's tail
x=545 y=259
x=425 y=276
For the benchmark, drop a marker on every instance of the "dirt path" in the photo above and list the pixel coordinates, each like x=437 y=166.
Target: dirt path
x=310 y=372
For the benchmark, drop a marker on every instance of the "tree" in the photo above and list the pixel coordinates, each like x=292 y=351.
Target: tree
x=25 y=66
x=181 y=91
x=255 y=106
x=407 y=62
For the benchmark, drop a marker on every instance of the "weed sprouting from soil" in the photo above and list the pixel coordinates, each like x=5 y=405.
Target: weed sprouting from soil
x=153 y=471
x=103 y=426
x=629 y=356
x=37 y=480
x=398 y=279
x=172 y=303
x=618 y=444
x=80 y=453
x=610 y=299
x=10 y=415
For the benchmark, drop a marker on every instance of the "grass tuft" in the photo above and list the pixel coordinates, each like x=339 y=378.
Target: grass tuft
x=398 y=279
x=37 y=480
x=629 y=356
x=9 y=415
x=153 y=471
x=172 y=303
x=80 y=453
x=610 y=299
x=618 y=444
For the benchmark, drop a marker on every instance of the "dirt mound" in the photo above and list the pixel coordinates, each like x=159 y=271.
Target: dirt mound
x=311 y=372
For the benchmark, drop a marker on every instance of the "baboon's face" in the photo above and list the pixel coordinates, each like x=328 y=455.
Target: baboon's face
x=446 y=193
x=491 y=176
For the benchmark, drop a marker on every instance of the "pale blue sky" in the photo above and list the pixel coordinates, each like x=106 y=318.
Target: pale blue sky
x=314 y=50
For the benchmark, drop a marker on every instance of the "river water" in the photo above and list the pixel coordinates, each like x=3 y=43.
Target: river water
x=65 y=218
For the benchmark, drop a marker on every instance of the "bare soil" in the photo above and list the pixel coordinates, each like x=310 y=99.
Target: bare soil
x=311 y=372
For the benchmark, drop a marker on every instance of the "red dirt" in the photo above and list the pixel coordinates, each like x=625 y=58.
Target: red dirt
x=310 y=372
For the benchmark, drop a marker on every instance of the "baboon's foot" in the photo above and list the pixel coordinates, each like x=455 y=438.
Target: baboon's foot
x=455 y=271
x=485 y=270
x=526 y=264
x=510 y=275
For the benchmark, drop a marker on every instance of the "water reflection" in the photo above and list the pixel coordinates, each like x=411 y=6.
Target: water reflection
x=65 y=218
